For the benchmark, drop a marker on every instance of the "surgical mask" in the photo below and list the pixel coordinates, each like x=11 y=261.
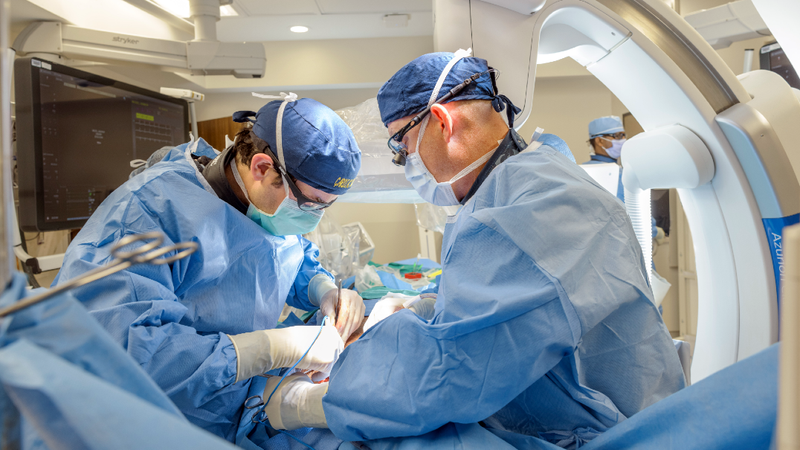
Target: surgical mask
x=288 y=219
x=616 y=147
x=429 y=189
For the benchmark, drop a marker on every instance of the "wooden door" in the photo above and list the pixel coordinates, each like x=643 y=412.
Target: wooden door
x=215 y=130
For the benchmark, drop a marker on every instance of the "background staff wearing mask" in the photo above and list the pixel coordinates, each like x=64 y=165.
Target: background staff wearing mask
x=606 y=137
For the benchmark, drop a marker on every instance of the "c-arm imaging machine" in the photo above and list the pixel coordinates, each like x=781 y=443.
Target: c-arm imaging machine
x=727 y=144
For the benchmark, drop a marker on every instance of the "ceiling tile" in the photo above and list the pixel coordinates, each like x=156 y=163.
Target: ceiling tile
x=373 y=6
x=277 y=7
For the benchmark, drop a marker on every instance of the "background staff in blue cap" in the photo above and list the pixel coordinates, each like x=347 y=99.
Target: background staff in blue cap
x=203 y=326
x=544 y=324
x=606 y=137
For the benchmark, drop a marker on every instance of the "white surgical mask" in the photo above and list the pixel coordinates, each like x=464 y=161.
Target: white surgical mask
x=429 y=189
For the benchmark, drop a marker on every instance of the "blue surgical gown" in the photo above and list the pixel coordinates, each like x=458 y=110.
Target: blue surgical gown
x=174 y=319
x=544 y=324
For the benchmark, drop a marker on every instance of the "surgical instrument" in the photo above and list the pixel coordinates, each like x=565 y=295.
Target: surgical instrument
x=149 y=253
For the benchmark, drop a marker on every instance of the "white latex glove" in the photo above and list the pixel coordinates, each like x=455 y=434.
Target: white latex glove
x=296 y=404
x=351 y=310
x=261 y=351
x=388 y=305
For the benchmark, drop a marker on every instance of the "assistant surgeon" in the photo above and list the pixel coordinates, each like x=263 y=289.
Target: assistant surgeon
x=544 y=326
x=203 y=326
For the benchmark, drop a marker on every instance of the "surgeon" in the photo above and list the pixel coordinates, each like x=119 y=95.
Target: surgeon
x=543 y=327
x=203 y=326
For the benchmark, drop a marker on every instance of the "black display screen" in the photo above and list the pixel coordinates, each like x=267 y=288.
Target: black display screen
x=79 y=133
x=774 y=58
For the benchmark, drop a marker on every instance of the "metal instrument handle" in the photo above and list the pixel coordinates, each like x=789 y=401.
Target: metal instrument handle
x=146 y=254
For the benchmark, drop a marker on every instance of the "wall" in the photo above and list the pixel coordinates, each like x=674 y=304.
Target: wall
x=564 y=107
x=392 y=227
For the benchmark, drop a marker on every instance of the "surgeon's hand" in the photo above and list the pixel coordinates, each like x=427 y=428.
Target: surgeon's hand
x=388 y=305
x=351 y=310
x=297 y=403
x=425 y=306
x=261 y=351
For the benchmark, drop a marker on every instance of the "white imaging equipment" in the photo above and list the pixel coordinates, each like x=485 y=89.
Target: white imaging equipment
x=727 y=144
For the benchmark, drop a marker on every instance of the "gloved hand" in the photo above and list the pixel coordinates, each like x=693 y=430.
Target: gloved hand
x=424 y=307
x=351 y=310
x=261 y=351
x=395 y=301
x=296 y=404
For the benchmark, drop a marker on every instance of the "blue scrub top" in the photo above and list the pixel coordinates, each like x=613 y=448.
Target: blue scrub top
x=174 y=319
x=544 y=322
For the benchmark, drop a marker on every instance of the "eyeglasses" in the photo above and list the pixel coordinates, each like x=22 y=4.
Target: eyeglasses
x=620 y=135
x=396 y=144
x=303 y=202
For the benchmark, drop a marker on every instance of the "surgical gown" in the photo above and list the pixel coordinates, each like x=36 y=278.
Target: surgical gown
x=174 y=319
x=544 y=323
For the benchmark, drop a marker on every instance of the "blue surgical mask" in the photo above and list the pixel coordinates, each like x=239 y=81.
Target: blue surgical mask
x=616 y=147
x=425 y=183
x=288 y=219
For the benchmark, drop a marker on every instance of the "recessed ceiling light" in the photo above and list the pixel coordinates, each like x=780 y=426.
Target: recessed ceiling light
x=299 y=29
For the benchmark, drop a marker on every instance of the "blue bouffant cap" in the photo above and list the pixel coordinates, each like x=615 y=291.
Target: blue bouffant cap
x=605 y=125
x=409 y=90
x=319 y=148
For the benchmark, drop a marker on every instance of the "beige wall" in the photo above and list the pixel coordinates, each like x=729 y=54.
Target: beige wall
x=392 y=227
x=564 y=107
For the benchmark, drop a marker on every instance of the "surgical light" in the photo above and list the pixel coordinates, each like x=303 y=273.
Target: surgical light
x=298 y=29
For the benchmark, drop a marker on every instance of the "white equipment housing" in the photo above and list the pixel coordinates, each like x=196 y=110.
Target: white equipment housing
x=667 y=75
x=198 y=58
x=204 y=55
x=726 y=24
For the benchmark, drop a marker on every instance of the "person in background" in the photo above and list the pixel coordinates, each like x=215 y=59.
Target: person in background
x=606 y=137
x=202 y=326
x=544 y=325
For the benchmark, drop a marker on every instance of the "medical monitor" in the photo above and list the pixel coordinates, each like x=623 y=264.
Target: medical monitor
x=77 y=134
x=773 y=58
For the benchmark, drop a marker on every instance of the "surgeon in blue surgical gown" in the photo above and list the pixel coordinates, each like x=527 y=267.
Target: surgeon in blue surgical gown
x=544 y=323
x=203 y=326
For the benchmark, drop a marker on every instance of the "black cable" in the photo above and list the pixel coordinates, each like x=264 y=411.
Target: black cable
x=26 y=268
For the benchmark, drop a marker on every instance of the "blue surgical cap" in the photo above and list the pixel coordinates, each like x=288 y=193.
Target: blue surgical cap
x=319 y=148
x=409 y=90
x=605 y=125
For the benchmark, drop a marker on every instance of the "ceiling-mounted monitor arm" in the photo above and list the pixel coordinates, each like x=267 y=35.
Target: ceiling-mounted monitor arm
x=203 y=55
